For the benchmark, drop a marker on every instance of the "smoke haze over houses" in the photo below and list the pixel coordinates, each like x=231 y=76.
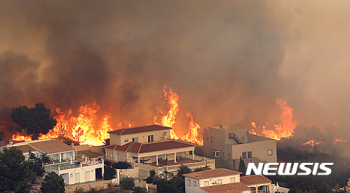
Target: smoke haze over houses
x=229 y=61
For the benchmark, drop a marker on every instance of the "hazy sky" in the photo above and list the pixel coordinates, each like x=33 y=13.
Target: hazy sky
x=229 y=61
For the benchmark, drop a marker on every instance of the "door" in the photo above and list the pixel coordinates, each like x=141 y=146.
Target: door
x=87 y=176
x=77 y=178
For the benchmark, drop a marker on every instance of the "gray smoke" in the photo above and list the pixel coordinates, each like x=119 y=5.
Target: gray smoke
x=229 y=61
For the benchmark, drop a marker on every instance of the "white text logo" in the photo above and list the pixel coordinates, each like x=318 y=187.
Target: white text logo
x=289 y=169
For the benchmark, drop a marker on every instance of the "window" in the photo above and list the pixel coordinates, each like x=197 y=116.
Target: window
x=244 y=155
x=250 y=154
x=136 y=139
x=219 y=181
x=229 y=156
x=150 y=138
x=217 y=154
x=188 y=182
x=111 y=155
x=194 y=183
x=232 y=180
x=269 y=152
x=126 y=140
x=223 y=154
x=212 y=139
x=206 y=183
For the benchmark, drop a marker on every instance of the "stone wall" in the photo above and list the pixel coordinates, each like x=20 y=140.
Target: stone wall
x=98 y=185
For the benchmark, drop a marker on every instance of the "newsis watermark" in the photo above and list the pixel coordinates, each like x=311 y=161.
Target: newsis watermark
x=289 y=169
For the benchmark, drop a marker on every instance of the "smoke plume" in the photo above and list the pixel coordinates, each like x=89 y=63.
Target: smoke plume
x=229 y=61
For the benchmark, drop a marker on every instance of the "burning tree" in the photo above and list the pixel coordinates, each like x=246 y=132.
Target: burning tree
x=35 y=120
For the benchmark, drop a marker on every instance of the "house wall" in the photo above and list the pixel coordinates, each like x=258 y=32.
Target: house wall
x=142 y=137
x=259 y=149
x=213 y=181
x=192 y=188
x=241 y=134
x=80 y=174
x=64 y=156
x=116 y=156
x=131 y=173
x=217 y=139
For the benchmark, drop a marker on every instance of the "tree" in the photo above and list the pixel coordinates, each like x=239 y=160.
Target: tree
x=202 y=169
x=109 y=173
x=2 y=136
x=122 y=165
x=241 y=167
x=35 y=120
x=14 y=170
x=36 y=164
x=127 y=183
x=183 y=170
x=78 y=190
x=53 y=183
x=163 y=186
x=139 y=189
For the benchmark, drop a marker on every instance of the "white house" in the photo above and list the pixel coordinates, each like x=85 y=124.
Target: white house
x=224 y=180
x=231 y=143
x=150 y=148
x=65 y=162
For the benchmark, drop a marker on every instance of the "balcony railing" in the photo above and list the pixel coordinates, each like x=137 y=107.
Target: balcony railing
x=72 y=166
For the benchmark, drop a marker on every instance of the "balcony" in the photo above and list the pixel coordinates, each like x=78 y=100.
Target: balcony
x=171 y=166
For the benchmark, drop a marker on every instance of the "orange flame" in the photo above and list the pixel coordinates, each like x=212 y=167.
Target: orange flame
x=283 y=130
x=193 y=135
x=338 y=140
x=85 y=128
x=312 y=143
x=20 y=137
x=169 y=119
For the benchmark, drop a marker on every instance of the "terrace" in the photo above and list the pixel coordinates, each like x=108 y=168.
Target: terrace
x=190 y=161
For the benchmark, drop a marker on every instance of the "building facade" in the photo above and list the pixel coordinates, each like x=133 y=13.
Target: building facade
x=231 y=143
x=150 y=148
x=224 y=180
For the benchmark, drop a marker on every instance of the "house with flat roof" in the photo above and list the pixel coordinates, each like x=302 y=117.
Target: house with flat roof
x=224 y=180
x=231 y=143
x=149 y=148
x=72 y=168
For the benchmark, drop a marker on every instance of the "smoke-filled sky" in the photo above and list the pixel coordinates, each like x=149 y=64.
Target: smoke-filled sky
x=229 y=61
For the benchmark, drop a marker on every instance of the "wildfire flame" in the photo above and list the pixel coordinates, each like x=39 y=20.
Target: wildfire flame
x=283 y=130
x=193 y=135
x=85 y=128
x=312 y=143
x=169 y=118
x=338 y=140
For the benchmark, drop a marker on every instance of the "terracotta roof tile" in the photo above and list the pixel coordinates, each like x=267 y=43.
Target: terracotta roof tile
x=227 y=188
x=51 y=146
x=25 y=148
x=253 y=179
x=136 y=147
x=133 y=130
x=212 y=173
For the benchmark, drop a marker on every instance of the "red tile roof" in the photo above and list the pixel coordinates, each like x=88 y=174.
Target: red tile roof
x=212 y=173
x=227 y=188
x=253 y=179
x=135 y=147
x=142 y=129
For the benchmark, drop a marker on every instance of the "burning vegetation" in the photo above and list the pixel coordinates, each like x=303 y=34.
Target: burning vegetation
x=90 y=129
